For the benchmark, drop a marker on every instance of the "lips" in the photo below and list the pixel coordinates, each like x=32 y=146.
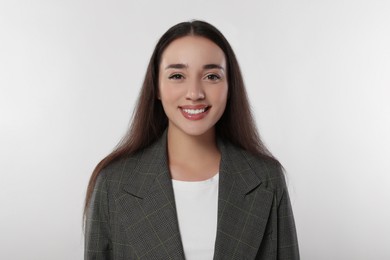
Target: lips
x=194 y=112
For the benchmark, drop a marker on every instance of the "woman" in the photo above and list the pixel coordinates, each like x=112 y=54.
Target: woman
x=191 y=179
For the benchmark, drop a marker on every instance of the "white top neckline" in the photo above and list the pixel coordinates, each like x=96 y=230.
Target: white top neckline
x=186 y=185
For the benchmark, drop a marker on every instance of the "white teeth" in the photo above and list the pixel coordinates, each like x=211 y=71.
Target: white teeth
x=194 y=111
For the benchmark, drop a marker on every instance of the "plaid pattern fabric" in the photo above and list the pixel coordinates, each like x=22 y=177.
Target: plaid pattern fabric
x=132 y=213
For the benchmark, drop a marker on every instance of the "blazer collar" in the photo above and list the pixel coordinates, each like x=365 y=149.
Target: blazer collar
x=147 y=206
x=243 y=204
x=153 y=162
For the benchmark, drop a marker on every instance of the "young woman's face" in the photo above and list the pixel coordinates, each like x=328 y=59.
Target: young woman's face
x=193 y=85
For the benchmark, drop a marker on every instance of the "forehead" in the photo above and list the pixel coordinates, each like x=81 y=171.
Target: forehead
x=193 y=50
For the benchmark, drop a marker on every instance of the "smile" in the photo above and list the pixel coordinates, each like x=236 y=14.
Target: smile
x=194 y=113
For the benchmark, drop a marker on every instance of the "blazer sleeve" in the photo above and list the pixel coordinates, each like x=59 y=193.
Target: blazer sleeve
x=97 y=233
x=287 y=247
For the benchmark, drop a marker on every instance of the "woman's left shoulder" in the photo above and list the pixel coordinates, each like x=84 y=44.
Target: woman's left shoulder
x=267 y=169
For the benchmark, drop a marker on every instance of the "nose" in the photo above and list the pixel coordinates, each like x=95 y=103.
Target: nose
x=195 y=91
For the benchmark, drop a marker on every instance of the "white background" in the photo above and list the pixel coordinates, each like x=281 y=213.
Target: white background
x=317 y=73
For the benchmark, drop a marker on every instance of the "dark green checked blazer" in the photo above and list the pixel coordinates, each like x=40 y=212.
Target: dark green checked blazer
x=132 y=213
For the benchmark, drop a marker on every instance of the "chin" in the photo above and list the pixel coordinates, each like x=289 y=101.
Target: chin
x=195 y=131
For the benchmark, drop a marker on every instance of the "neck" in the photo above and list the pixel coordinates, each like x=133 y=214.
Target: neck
x=192 y=157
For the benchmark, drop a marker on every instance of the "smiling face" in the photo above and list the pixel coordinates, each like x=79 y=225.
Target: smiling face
x=193 y=85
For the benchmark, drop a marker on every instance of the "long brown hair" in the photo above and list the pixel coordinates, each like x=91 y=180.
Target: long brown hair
x=149 y=120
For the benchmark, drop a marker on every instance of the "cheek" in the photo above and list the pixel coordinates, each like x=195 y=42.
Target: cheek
x=221 y=95
x=164 y=91
x=168 y=95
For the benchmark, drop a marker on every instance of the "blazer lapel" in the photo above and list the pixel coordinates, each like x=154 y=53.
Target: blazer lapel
x=147 y=207
x=243 y=207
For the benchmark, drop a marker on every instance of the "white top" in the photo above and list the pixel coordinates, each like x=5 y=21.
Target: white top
x=197 y=206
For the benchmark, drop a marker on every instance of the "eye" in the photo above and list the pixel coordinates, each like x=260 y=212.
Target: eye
x=213 y=77
x=176 y=76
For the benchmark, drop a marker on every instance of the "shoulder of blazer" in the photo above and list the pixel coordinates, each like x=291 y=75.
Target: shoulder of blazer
x=114 y=171
x=269 y=172
x=136 y=172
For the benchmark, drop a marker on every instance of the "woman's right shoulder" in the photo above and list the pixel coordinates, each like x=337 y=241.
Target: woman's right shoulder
x=115 y=170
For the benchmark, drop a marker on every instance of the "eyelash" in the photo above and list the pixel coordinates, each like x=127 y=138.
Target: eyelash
x=179 y=76
x=174 y=76
x=215 y=76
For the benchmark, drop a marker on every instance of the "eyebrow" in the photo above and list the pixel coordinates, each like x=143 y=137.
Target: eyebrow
x=184 y=66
